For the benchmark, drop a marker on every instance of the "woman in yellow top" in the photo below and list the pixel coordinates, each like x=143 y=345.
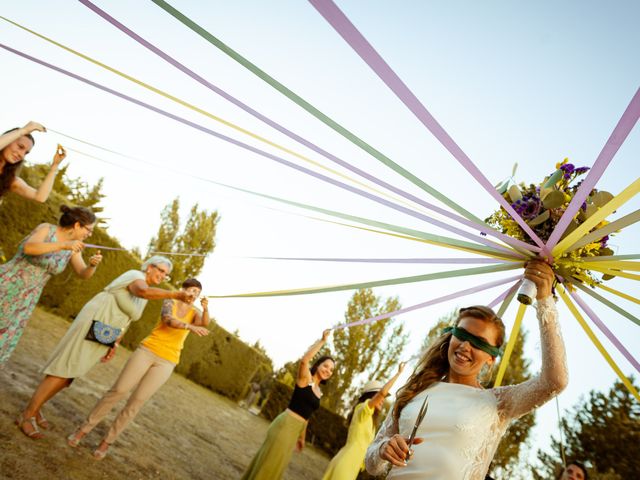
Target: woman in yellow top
x=350 y=459
x=149 y=367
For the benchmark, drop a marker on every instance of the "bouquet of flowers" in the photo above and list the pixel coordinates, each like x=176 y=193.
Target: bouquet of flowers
x=542 y=205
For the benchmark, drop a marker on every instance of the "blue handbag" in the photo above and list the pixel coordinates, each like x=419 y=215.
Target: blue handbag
x=103 y=334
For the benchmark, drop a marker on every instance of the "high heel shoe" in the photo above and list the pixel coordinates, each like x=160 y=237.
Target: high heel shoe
x=35 y=433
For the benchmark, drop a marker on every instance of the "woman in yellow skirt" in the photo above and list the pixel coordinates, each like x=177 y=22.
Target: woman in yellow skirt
x=287 y=431
x=350 y=459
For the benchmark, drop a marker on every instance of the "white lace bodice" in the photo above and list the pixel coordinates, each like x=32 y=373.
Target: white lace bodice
x=464 y=425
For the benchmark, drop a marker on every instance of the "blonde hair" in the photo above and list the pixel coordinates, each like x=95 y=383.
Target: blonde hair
x=434 y=364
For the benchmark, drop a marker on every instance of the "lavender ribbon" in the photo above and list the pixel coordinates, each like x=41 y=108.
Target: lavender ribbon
x=365 y=50
x=280 y=160
x=484 y=228
x=428 y=303
x=615 y=141
x=603 y=328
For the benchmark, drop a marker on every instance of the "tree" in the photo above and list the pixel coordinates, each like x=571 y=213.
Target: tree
x=198 y=236
x=165 y=240
x=603 y=432
x=363 y=352
x=506 y=459
x=78 y=191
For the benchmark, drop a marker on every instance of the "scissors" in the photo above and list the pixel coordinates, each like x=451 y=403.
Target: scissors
x=421 y=414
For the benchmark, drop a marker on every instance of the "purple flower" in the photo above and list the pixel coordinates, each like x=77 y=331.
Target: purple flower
x=529 y=207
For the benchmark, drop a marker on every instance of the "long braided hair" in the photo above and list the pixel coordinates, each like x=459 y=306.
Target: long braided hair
x=434 y=364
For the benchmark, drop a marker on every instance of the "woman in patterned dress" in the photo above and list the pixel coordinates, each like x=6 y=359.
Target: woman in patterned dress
x=45 y=252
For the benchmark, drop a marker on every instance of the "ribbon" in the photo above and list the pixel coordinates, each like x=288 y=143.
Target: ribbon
x=427 y=238
x=603 y=328
x=509 y=292
x=377 y=283
x=597 y=343
x=631 y=256
x=507 y=301
x=618 y=265
x=615 y=273
x=115 y=249
x=313 y=110
x=609 y=304
x=280 y=160
x=609 y=207
x=389 y=260
x=596 y=235
x=618 y=136
x=365 y=50
x=197 y=109
x=475 y=224
x=513 y=337
x=462 y=248
x=428 y=303
x=619 y=293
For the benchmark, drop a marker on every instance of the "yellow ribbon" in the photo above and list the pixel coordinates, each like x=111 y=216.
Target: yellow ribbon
x=513 y=338
x=614 y=226
x=609 y=207
x=618 y=293
x=597 y=343
x=211 y=115
x=422 y=240
x=615 y=273
x=617 y=265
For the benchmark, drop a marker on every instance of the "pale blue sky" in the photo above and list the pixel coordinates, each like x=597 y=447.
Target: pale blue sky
x=526 y=82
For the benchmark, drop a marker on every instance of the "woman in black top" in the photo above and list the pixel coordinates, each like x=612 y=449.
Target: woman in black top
x=289 y=428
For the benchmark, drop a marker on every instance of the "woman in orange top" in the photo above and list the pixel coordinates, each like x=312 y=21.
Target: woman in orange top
x=149 y=367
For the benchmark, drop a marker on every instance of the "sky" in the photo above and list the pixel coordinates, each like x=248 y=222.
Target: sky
x=511 y=82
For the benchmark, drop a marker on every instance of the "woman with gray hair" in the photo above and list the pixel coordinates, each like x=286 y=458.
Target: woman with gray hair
x=95 y=334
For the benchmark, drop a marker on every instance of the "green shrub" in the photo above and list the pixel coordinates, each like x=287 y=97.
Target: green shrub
x=221 y=362
x=326 y=430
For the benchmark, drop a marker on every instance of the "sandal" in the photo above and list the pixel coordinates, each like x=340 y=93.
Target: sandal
x=35 y=433
x=99 y=453
x=42 y=422
x=74 y=440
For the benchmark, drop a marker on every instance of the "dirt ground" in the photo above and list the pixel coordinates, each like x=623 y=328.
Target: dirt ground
x=183 y=432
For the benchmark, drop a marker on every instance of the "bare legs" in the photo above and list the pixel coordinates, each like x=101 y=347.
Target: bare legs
x=47 y=389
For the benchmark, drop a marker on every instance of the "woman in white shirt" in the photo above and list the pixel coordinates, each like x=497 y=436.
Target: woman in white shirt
x=464 y=422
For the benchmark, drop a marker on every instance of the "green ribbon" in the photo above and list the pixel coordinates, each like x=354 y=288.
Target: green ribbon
x=608 y=303
x=313 y=110
x=464 y=335
x=481 y=249
x=377 y=283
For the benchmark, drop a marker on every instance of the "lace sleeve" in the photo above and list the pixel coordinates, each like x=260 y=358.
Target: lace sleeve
x=376 y=465
x=517 y=400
